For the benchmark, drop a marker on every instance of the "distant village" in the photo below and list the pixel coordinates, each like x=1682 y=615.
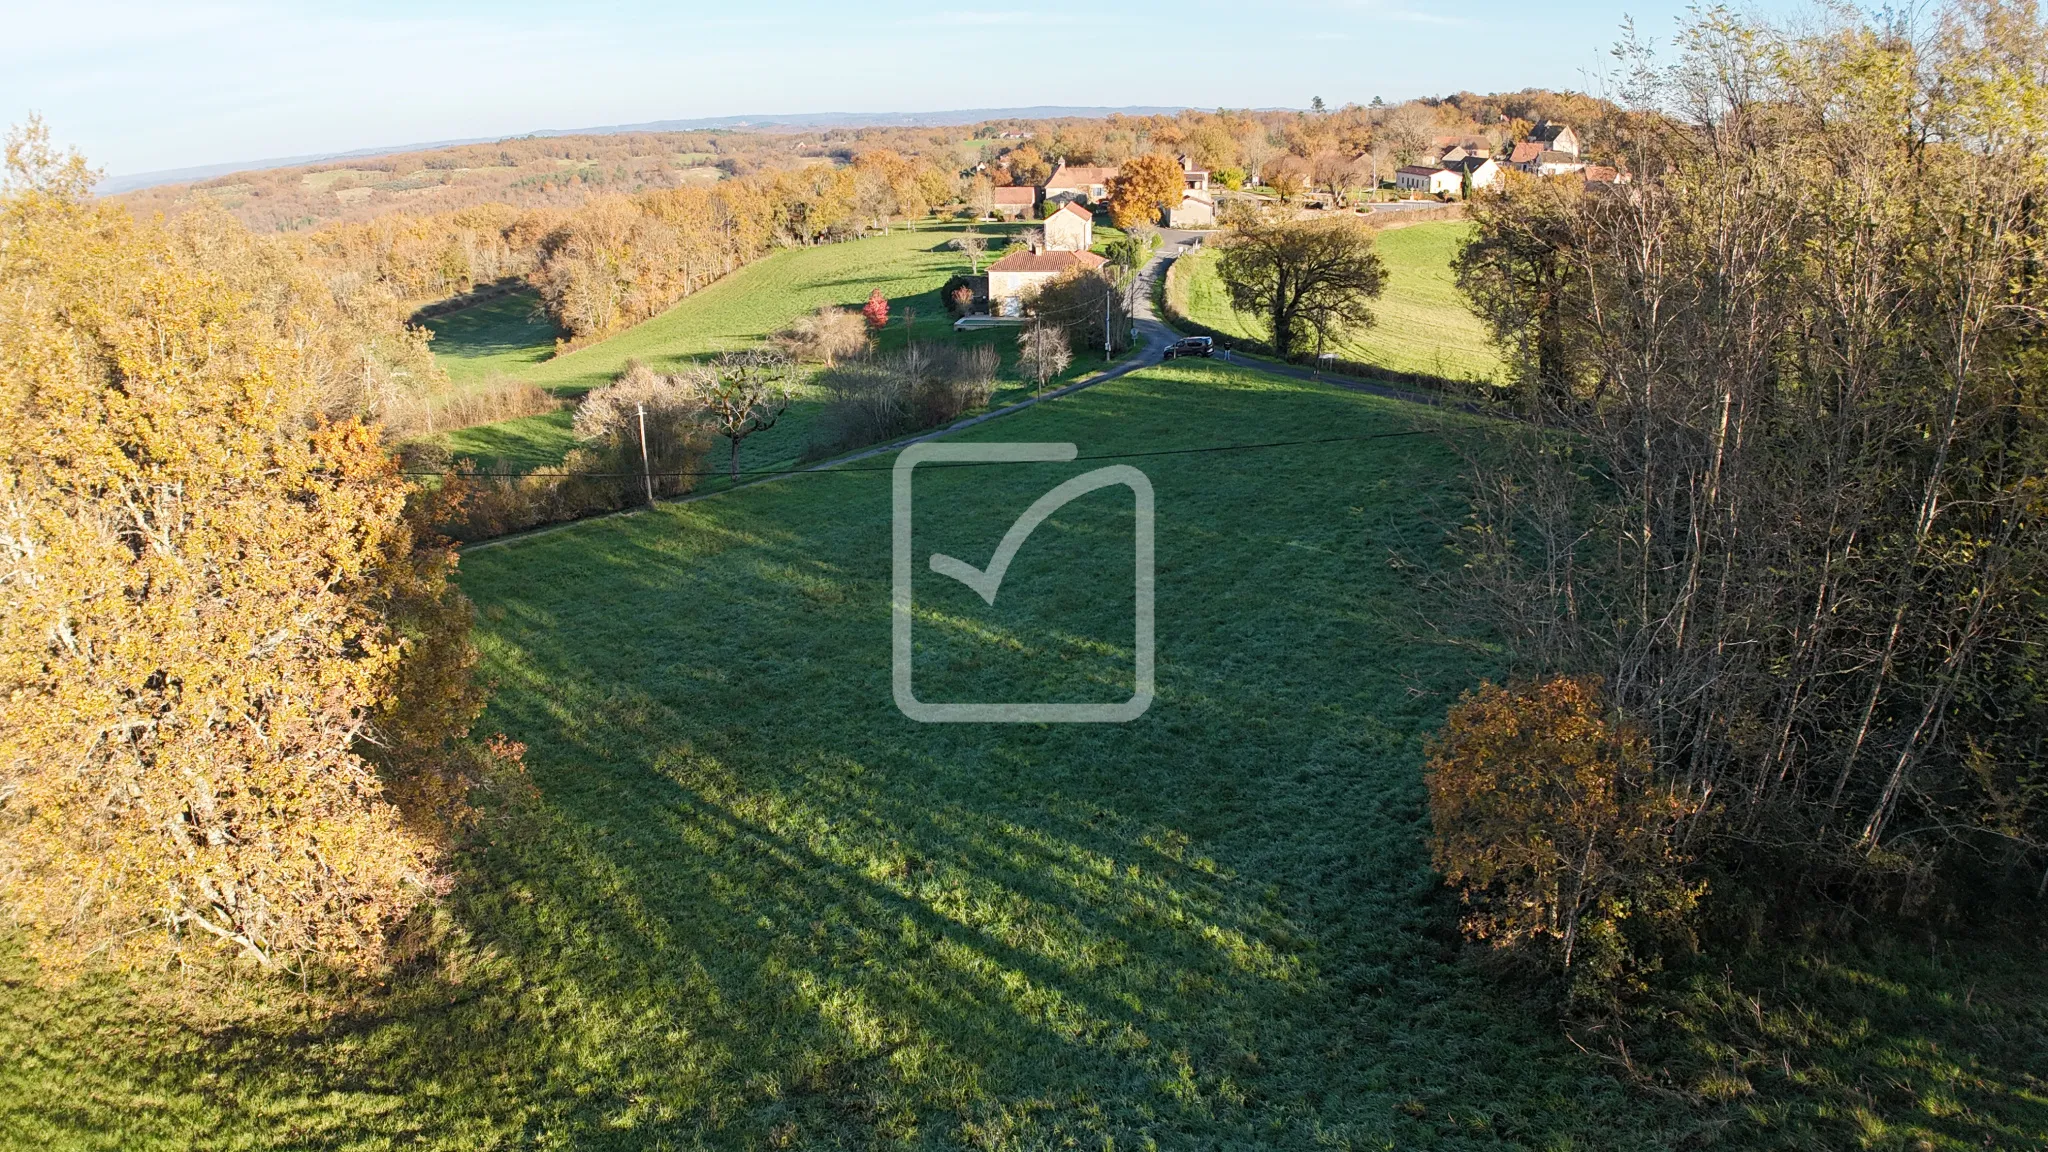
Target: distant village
x=1454 y=166
x=1460 y=164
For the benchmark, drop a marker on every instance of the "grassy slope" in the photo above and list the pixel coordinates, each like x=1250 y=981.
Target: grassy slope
x=1422 y=323
x=754 y=906
x=738 y=312
x=506 y=336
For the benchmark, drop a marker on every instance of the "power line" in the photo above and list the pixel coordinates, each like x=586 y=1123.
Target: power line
x=827 y=470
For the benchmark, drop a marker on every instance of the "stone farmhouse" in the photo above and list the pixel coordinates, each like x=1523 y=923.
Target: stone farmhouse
x=1014 y=279
x=1016 y=201
x=1070 y=183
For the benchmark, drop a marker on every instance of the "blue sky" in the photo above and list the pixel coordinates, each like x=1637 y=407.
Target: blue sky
x=146 y=86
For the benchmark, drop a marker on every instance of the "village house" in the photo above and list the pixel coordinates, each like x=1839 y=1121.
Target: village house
x=1071 y=229
x=1016 y=200
x=1197 y=207
x=1014 y=279
x=1069 y=183
x=1549 y=150
x=1553 y=163
x=1481 y=171
x=1555 y=137
x=1448 y=150
x=1427 y=179
x=1195 y=210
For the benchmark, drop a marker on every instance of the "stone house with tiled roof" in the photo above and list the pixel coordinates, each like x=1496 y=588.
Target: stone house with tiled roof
x=1014 y=279
x=1076 y=183
x=1555 y=137
x=1016 y=201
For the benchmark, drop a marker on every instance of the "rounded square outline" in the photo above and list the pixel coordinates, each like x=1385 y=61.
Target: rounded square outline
x=901 y=602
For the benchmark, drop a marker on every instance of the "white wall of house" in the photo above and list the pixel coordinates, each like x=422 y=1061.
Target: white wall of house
x=1007 y=291
x=1066 y=231
x=1193 y=212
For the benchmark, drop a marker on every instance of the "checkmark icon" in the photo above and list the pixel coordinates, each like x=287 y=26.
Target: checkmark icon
x=986 y=582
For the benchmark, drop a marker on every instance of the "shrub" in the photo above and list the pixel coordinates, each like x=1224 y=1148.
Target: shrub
x=921 y=386
x=826 y=337
x=951 y=383
x=501 y=398
x=961 y=292
x=1549 y=821
x=609 y=418
x=865 y=402
x=876 y=309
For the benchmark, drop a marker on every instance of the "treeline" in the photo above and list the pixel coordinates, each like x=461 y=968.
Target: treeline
x=617 y=259
x=1781 y=507
x=558 y=172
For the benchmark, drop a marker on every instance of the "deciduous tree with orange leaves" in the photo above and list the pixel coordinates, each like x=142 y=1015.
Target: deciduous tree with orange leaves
x=1144 y=188
x=1549 y=821
x=235 y=681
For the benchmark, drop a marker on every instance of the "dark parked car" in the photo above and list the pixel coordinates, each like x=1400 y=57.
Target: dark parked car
x=1191 y=346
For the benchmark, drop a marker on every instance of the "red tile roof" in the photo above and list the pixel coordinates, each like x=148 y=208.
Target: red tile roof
x=1016 y=194
x=1526 y=152
x=1077 y=210
x=1065 y=177
x=1046 y=261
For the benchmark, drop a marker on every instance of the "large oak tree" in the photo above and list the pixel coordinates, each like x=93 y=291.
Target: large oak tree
x=1310 y=280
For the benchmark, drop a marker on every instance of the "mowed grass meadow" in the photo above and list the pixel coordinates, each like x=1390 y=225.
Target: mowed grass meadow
x=909 y=266
x=750 y=905
x=1421 y=322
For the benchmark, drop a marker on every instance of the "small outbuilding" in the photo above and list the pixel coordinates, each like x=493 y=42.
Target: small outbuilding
x=1427 y=179
x=1071 y=229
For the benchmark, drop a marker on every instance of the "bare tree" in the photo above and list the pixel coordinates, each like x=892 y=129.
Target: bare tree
x=973 y=245
x=742 y=393
x=1045 y=351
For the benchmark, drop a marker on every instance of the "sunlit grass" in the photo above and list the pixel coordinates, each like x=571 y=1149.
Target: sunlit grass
x=754 y=906
x=1421 y=323
x=909 y=266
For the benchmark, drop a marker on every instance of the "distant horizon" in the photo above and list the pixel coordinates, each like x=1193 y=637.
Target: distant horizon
x=142 y=89
x=117 y=182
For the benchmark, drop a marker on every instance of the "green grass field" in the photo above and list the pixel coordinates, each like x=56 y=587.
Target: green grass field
x=507 y=336
x=1421 y=323
x=755 y=907
x=737 y=312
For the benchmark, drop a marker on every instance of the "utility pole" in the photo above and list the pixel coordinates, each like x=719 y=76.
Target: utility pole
x=646 y=468
x=1105 y=323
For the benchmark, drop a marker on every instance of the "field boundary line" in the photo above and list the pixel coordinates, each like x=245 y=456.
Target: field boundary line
x=1137 y=359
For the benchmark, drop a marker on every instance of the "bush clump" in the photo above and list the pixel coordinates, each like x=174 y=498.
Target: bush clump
x=1550 y=822
x=920 y=386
